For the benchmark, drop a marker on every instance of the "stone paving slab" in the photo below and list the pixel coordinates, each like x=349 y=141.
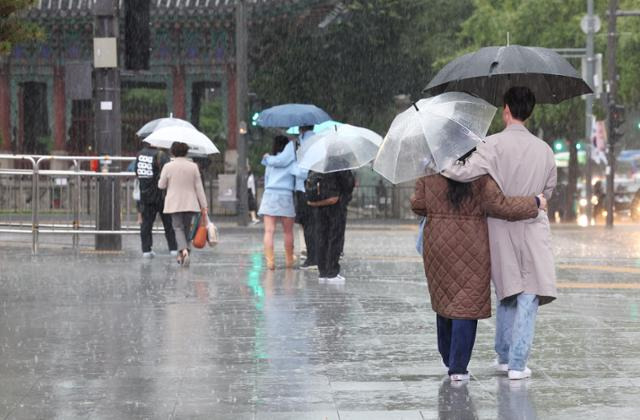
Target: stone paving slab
x=113 y=336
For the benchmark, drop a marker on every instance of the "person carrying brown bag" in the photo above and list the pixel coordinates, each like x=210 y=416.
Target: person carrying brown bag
x=185 y=195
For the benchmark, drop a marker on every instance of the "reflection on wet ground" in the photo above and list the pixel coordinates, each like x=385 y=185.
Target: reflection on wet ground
x=113 y=336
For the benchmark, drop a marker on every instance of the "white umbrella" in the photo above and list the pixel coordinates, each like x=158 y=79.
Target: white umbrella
x=198 y=143
x=340 y=148
x=431 y=135
x=159 y=123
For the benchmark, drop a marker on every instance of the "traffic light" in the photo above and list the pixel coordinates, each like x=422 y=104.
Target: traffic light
x=559 y=145
x=616 y=119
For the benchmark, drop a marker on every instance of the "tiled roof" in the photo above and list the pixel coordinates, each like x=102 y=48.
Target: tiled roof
x=54 y=5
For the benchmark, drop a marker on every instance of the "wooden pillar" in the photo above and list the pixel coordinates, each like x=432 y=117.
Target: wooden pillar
x=232 y=113
x=179 y=96
x=59 y=108
x=5 y=109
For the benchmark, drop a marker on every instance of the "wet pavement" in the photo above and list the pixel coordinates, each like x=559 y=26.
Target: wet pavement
x=113 y=336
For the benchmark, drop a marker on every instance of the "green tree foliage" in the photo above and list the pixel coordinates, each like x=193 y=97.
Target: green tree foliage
x=355 y=66
x=13 y=29
x=543 y=23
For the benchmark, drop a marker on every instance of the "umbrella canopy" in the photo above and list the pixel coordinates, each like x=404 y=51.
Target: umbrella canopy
x=159 y=123
x=317 y=128
x=491 y=71
x=199 y=144
x=289 y=115
x=431 y=135
x=341 y=148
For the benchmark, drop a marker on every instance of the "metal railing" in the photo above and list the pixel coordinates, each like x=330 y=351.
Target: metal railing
x=74 y=197
x=67 y=198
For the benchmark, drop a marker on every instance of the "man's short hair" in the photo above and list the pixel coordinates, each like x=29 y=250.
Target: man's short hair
x=521 y=102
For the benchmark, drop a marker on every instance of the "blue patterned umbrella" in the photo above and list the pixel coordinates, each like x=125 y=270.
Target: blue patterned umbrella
x=289 y=115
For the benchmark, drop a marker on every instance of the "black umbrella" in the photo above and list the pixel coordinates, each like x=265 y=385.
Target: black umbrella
x=489 y=72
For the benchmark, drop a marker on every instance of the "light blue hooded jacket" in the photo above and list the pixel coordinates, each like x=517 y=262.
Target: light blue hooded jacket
x=279 y=170
x=287 y=157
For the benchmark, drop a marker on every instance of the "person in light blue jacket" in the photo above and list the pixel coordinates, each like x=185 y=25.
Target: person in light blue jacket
x=277 y=200
x=305 y=215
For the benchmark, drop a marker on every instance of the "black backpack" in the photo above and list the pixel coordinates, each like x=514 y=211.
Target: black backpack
x=321 y=189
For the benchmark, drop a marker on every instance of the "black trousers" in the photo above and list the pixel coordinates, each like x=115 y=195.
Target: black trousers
x=305 y=216
x=343 y=221
x=149 y=212
x=328 y=239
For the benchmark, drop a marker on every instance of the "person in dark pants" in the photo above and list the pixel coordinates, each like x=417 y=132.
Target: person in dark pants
x=329 y=212
x=149 y=163
x=345 y=199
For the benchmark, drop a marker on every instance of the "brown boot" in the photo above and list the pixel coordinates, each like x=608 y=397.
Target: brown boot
x=268 y=255
x=289 y=257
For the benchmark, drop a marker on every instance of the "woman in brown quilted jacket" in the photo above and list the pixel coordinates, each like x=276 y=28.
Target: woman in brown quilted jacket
x=456 y=256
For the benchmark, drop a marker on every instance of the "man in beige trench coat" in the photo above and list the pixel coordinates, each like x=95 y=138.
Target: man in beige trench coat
x=522 y=265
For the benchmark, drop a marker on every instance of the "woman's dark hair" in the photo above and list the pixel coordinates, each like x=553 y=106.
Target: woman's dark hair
x=458 y=192
x=179 y=149
x=279 y=143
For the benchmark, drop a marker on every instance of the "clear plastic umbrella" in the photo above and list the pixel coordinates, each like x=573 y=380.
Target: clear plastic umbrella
x=341 y=148
x=431 y=135
x=159 y=123
x=199 y=144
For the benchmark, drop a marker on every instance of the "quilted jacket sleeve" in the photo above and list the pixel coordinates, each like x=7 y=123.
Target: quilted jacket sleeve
x=495 y=204
x=418 y=203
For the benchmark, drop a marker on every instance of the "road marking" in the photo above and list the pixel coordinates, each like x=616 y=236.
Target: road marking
x=608 y=268
x=583 y=285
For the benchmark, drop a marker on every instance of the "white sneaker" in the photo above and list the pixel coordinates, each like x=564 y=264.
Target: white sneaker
x=322 y=279
x=149 y=254
x=500 y=367
x=456 y=377
x=520 y=374
x=174 y=253
x=336 y=279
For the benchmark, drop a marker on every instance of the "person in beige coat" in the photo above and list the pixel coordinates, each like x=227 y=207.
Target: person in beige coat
x=522 y=263
x=185 y=195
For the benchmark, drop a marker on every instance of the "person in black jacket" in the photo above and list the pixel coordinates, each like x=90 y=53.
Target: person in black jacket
x=329 y=221
x=149 y=163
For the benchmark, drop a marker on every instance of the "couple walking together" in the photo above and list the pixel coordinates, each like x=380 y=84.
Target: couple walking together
x=464 y=249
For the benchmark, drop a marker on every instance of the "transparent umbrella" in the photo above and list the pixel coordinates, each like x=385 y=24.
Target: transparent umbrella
x=199 y=144
x=343 y=147
x=431 y=135
x=159 y=123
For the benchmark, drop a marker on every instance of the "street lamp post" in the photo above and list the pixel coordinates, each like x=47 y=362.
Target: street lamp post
x=589 y=109
x=241 y=108
x=107 y=117
x=612 y=96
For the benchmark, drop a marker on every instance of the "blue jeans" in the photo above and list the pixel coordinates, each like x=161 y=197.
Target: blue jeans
x=515 y=326
x=456 y=338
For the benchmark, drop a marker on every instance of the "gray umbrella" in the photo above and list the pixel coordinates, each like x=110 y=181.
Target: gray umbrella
x=489 y=72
